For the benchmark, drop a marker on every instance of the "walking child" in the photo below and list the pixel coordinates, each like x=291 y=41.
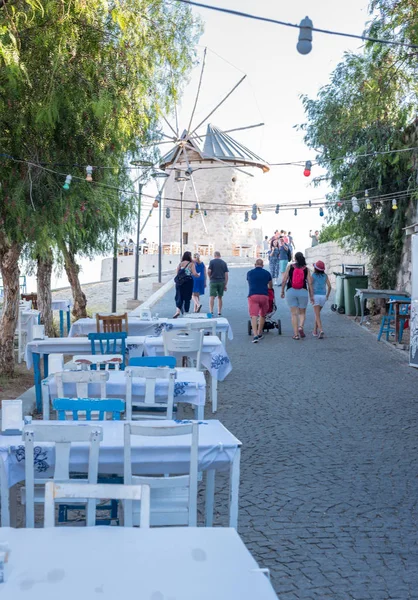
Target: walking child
x=321 y=288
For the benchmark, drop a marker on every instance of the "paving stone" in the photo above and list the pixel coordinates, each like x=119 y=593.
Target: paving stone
x=329 y=457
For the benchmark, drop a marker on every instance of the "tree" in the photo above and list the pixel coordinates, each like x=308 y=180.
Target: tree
x=82 y=83
x=364 y=109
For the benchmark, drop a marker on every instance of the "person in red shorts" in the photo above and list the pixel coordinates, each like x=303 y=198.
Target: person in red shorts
x=259 y=282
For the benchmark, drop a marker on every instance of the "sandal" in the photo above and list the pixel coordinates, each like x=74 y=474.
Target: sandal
x=176 y=316
x=315 y=333
x=301 y=332
x=200 y=306
x=321 y=335
x=295 y=337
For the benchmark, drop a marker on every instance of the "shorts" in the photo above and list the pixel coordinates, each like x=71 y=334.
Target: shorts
x=283 y=265
x=217 y=288
x=258 y=305
x=297 y=298
x=319 y=299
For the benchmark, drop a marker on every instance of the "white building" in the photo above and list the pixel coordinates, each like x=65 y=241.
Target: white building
x=224 y=191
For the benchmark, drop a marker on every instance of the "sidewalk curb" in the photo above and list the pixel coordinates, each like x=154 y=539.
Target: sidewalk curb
x=155 y=297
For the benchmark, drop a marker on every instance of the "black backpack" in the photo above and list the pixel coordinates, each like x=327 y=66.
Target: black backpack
x=182 y=276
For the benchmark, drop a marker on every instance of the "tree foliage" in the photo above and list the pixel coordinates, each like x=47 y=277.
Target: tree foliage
x=366 y=108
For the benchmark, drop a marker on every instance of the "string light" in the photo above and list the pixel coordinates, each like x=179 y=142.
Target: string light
x=167 y=213
x=310 y=203
x=246 y=217
x=191 y=214
x=308 y=167
x=196 y=209
x=156 y=201
x=205 y=214
x=368 y=203
x=355 y=205
x=277 y=209
x=321 y=212
x=259 y=210
x=296 y=212
x=254 y=212
x=394 y=205
x=89 y=171
x=67 y=183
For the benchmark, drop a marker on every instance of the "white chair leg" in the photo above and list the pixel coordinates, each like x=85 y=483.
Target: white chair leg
x=209 y=497
x=214 y=393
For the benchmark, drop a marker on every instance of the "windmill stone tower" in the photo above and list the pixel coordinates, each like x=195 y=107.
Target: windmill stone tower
x=217 y=194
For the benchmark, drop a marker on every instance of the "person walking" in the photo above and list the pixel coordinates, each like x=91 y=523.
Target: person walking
x=266 y=246
x=259 y=282
x=274 y=260
x=298 y=282
x=184 y=284
x=314 y=238
x=218 y=277
x=199 y=282
x=321 y=288
x=284 y=257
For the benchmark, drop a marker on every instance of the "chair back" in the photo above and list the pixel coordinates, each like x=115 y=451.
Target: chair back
x=109 y=343
x=112 y=323
x=92 y=409
x=32 y=298
x=403 y=308
x=62 y=436
x=61 y=491
x=188 y=480
x=153 y=361
x=99 y=362
x=183 y=343
x=208 y=326
x=82 y=380
x=150 y=374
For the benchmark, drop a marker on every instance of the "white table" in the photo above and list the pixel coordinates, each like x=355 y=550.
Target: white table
x=219 y=450
x=170 y=563
x=189 y=386
x=69 y=346
x=29 y=318
x=137 y=326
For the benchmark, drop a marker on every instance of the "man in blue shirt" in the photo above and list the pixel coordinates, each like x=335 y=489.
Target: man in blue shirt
x=259 y=282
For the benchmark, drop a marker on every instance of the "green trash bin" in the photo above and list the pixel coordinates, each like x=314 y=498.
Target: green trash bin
x=351 y=282
x=339 y=305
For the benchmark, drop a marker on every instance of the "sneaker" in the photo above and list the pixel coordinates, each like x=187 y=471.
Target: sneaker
x=255 y=339
x=260 y=337
x=314 y=333
x=321 y=335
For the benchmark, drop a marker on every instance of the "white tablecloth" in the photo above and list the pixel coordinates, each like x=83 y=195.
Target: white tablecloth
x=29 y=318
x=136 y=326
x=214 y=355
x=64 y=305
x=190 y=386
x=72 y=346
x=166 y=563
x=152 y=455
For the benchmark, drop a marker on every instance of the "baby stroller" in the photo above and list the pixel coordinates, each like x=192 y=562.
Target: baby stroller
x=269 y=323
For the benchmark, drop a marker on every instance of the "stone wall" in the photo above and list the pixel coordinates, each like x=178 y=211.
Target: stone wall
x=334 y=256
x=404 y=281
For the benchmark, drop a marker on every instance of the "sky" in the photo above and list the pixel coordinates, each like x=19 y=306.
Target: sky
x=276 y=77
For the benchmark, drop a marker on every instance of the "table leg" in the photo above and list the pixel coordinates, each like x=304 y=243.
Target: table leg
x=361 y=300
x=214 y=393
x=209 y=497
x=61 y=323
x=397 y=322
x=13 y=505
x=223 y=337
x=4 y=496
x=234 y=490
x=200 y=412
x=68 y=321
x=37 y=377
x=46 y=357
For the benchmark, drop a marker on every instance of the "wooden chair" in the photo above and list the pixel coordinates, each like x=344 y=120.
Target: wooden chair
x=62 y=436
x=109 y=343
x=150 y=374
x=387 y=325
x=92 y=409
x=112 y=323
x=173 y=498
x=91 y=492
x=153 y=361
x=99 y=362
x=33 y=298
x=183 y=344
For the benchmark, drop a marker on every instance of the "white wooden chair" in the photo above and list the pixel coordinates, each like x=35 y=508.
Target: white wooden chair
x=22 y=330
x=184 y=343
x=208 y=326
x=81 y=379
x=62 y=436
x=173 y=498
x=98 y=361
x=150 y=374
x=73 y=491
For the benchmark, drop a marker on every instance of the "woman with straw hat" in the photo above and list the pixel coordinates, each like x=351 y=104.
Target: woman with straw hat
x=321 y=287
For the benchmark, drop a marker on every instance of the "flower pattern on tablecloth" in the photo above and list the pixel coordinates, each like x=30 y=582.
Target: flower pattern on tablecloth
x=158 y=329
x=218 y=360
x=414 y=329
x=40 y=456
x=180 y=388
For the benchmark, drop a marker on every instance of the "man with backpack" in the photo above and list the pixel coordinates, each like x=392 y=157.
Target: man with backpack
x=297 y=285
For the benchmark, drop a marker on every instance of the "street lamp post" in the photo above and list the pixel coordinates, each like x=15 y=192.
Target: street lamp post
x=138 y=230
x=160 y=175
x=179 y=178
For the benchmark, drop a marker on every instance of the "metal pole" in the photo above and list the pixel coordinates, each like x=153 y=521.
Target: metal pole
x=137 y=243
x=160 y=245
x=181 y=224
x=115 y=269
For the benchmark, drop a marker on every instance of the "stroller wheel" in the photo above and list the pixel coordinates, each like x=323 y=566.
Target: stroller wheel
x=279 y=327
x=341 y=310
x=249 y=327
x=333 y=307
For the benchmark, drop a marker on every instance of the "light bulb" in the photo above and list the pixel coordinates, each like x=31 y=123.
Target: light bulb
x=277 y=209
x=355 y=205
x=191 y=214
x=304 y=45
x=254 y=216
x=259 y=210
x=296 y=212
x=308 y=167
x=394 y=205
x=89 y=171
x=368 y=204
x=67 y=183
x=197 y=208
x=205 y=214
x=321 y=212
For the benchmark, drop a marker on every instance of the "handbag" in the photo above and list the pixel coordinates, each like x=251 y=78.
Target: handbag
x=182 y=276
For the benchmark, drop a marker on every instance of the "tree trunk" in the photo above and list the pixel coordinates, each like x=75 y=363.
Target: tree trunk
x=72 y=269
x=43 y=278
x=9 y=256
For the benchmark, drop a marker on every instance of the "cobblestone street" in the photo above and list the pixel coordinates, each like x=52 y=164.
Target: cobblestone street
x=329 y=472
